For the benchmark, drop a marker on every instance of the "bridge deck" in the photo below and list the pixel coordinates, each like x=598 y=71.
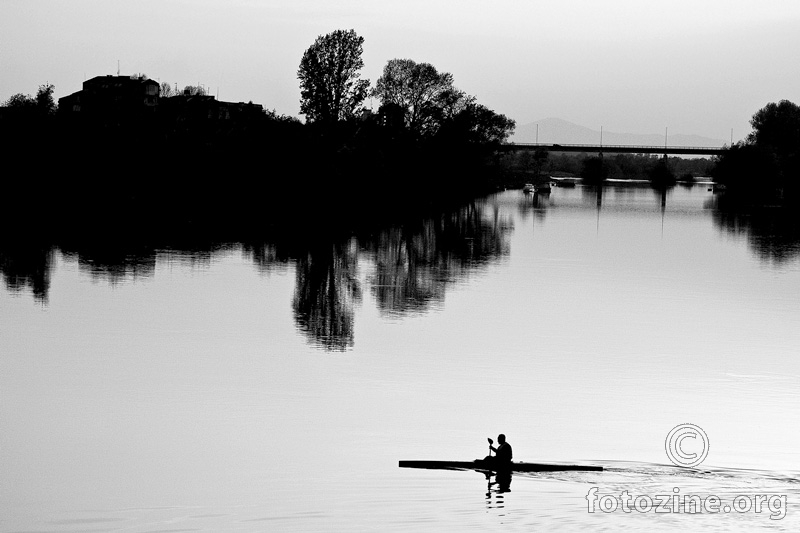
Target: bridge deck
x=616 y=149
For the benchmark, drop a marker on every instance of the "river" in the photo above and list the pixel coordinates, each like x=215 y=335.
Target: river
x=275 y=385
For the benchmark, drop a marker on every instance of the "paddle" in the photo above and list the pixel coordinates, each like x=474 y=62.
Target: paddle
x=490 y=446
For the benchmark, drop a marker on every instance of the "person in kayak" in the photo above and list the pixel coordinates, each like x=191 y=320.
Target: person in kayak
x=503 y=452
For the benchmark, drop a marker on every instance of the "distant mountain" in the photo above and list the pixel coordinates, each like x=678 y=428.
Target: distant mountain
x=555 y=130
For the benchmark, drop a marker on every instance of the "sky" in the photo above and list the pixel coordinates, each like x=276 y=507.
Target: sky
x=636 y=66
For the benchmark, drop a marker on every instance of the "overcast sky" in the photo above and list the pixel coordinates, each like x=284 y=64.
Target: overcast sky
x=694 y=66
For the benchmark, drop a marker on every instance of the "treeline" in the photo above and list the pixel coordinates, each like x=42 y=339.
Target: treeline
x=137 y=170
x=427 y=141
x=526 y=166
x=764 y=169
x=766 y=165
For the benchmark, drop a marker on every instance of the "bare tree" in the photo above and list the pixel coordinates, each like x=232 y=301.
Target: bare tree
x=194 y=90
x=167 y=91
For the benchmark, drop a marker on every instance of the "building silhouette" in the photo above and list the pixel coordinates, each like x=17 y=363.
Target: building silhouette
x=121 y=101
x=113 y=98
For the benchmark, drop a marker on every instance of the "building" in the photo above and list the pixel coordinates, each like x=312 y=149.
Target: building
x=112 y=98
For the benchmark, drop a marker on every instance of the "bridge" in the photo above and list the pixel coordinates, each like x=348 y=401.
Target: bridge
x=615 y=149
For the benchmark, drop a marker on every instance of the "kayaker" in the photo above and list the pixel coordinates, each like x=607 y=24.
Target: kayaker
x=503 y=450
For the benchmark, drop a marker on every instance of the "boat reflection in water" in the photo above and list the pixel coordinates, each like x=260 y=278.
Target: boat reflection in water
x=501 y=483
x=496 y=489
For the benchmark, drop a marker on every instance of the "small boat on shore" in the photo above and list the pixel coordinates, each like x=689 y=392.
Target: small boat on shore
x=486 y=466
x=528 y=188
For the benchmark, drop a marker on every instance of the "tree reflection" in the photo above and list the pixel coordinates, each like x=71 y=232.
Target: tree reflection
x=115 y=265
x=415 y=262
x=534 y=204
x=27 y=266
x=773 y=233
x=408 y=266
x=327 y=288
x=401 y=282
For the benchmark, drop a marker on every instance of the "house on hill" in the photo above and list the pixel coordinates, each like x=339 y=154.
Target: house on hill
x=203 y=116
x=112 y=98
x=133 y=106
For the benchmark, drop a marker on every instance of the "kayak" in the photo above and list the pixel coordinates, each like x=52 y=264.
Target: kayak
x=480 y=464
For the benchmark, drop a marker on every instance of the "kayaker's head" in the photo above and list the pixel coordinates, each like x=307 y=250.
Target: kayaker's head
x=501 y=438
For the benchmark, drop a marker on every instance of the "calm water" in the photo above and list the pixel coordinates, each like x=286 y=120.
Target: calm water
x=275 y=385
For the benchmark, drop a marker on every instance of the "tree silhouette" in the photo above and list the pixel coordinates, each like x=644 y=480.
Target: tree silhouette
x=769 y=156
x=425 y=95
x=44 y=99
x=41 y=104
x=20 y=101
x=431 y=106
x=167 y=91
x=195 y=90
x=777 y=126
x=330 y=88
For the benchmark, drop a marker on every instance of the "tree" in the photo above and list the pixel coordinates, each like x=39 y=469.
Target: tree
x=745 y=163
x=425 y=95
x=776 y=128
x=45 y=103
x=20 y=101
x=660 y=174
x=166 y=90
x=194 y=90
x=42 y=104
x=330 y=88
x=769 y=157
x=482 y=125
x=594 y=170
x=432 y=106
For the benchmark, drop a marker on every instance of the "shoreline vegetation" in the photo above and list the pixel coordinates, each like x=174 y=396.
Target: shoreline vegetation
x=126 y=147
x=129 y=156
x=129 y=147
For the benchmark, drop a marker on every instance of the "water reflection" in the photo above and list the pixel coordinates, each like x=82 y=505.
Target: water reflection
x=414 y=262
x=496 y=489
x=114 y=264
x=407 y=266
x=27 y=266
x=327 y=288
x=772 y=233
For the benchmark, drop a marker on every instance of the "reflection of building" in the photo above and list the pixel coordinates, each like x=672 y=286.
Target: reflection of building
x=113 y=97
